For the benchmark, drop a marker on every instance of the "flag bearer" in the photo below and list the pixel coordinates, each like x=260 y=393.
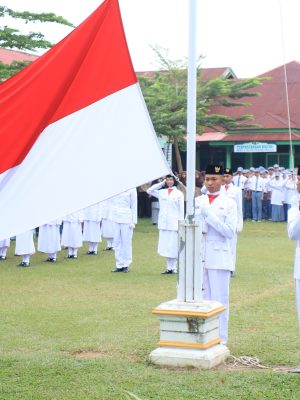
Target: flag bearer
x=220 y=224
x=171 y=211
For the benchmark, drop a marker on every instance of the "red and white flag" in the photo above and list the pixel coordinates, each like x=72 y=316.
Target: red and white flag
x=74 y=128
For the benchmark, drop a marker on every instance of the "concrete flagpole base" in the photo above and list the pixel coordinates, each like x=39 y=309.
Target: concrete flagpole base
x=189 y=335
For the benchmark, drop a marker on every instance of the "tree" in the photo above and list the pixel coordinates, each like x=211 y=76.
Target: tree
x=166 y=95
x=13 y=39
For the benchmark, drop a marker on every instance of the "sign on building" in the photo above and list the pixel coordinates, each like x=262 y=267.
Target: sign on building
x=255 y=147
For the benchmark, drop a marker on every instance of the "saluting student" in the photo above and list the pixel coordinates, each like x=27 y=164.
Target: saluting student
x=220 y=223
x=293 y=227
x=171 y=211
x=277 y=198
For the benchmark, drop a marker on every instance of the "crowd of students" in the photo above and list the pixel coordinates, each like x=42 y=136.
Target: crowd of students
x=267 y=192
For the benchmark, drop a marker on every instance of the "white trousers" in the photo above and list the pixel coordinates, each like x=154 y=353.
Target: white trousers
x=3 y=251
x=49 y=239
x=91 y=231
x=216 y=287
x=168 y=243
x=233 y=245
x=107 y=228
x=72 y=234
x=297 y=281
x=123 y=245
x=171 y=264
x=25 y=243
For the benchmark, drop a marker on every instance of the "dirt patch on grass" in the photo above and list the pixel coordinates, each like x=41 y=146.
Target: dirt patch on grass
x=90 y=354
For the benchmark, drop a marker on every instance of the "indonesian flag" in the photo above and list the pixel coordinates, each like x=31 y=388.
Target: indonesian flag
x=74 y=128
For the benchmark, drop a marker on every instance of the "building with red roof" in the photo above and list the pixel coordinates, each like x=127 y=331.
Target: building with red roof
x=269 y=142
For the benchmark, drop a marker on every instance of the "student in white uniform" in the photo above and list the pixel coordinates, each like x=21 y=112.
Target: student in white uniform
x=290 y=187
x=25 y=247
x=49 y=239
x=4 y=245
x=236 y=194
x=107 y=224
x=220 y=223
x=124 y=216
x=293 y=227
x=257 y=194
x=72 y=233
x=277 y=197
x=92 y=227
x=239 y=179
x=171 y=211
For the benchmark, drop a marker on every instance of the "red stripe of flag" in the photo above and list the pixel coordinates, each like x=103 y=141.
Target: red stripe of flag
x=91 y=63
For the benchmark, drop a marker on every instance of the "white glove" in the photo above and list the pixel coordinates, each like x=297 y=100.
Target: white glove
x=204 y=211
x=131 y=226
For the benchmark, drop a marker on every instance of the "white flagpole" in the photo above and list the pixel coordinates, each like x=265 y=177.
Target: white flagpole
x=189 y=282
x=191 y=110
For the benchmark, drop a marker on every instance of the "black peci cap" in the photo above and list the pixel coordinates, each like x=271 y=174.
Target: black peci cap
x=227 y=171
x=214 y=170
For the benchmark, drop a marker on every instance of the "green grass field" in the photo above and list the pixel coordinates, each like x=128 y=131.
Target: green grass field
x=75 y=331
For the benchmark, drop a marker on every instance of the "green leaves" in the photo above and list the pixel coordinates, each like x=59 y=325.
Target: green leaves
x=13 y=38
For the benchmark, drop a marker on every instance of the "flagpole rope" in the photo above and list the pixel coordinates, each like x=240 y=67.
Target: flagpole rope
x=245 y=361
x=286 y=86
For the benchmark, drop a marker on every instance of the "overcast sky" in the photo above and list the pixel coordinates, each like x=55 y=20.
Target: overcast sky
x=245 y=35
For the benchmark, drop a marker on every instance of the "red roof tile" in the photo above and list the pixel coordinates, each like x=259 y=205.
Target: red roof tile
x=212 y=73
x=210 y=136
x=270 y=108
x=8 y=56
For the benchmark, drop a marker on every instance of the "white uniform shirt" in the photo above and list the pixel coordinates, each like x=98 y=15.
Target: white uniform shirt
x=124 y=207
x=93 y=212
x=220 y=218
x=290 y=190
x=171 y=206
x=239 y=181
x=277 y=196
x=76 y=216
x=257 y=184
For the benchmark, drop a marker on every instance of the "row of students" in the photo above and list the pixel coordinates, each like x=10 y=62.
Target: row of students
x=117 y=217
